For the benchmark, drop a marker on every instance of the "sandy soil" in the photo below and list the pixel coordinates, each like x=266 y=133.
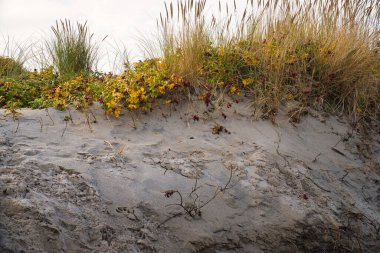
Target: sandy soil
x=307 y=187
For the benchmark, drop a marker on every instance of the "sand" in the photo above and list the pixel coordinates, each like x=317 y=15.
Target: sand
x=311 y=186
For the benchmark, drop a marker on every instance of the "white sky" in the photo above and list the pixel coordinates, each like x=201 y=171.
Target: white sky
x=124 y=21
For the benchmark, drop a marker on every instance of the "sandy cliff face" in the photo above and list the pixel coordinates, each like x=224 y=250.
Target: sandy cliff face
x=309 y=187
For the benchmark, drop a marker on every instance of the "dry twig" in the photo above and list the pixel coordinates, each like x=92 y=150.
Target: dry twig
x=194 y=208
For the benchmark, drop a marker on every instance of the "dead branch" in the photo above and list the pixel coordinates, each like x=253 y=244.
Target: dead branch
x=70 y=117
x=41 y=123
x=278 y=150
x=64 y=130
x=118 y=151
x=66 y=119
x=337 y=151
x=364 y=195
x=345 y=175
x=195 y=187
x=92 y=114
x=316 y=157
x=320 y=187
x=169 y=218
x=229 y=180
x=18 y=125
x=194 y=208
x=48 y=114
x=88 y=122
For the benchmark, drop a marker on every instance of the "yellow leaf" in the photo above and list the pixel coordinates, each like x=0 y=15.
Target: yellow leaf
x=247 y=82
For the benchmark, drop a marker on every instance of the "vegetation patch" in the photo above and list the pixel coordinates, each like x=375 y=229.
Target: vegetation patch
x=321 y=54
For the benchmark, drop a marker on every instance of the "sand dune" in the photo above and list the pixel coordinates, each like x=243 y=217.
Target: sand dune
x=307 y=187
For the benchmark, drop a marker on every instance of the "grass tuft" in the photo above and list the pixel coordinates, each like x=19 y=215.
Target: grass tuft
x=71 y=49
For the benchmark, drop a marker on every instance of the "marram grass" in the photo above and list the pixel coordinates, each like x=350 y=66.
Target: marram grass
x=71 y=49
x=325 y=54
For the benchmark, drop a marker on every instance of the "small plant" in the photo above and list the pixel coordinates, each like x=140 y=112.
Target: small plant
x=13 y=111
x=217 y=129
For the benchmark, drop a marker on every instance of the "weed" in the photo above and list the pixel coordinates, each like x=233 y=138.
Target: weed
x=217 y=129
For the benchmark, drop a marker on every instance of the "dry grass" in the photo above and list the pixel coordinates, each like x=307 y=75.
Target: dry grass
x=325 y=54
x=184 y=37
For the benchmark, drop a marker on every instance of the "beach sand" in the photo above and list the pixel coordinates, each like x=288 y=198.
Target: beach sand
x=311 y=186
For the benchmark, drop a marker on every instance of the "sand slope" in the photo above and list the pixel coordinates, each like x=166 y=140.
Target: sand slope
x=310 y=187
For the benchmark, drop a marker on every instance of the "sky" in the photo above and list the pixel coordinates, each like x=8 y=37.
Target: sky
x=125 y=22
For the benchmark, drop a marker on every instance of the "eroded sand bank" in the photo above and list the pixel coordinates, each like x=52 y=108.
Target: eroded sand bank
x=309 y=187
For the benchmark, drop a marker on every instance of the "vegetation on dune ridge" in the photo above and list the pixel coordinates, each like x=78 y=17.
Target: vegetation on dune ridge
x=322 y=54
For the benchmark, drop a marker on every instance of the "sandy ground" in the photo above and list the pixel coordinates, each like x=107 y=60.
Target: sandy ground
x=257 y=187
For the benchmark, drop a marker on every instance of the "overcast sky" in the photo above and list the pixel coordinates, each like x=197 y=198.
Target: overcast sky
x=124 y=21
x=116 y=17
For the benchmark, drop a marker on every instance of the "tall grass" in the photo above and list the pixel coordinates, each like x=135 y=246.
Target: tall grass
x=118 y=57
x=72 y=49
x=325 y=54
x=184 y=38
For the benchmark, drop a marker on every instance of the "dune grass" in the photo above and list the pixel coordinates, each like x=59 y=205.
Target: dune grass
x=319 y=54
x=324 y=54
x=71 y=49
